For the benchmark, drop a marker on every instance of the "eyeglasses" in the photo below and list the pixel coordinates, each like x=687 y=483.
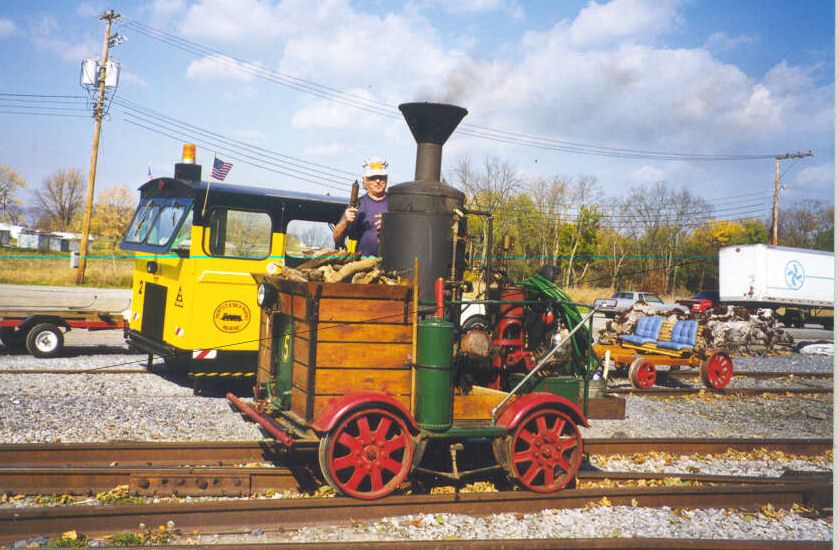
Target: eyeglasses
x=377 y=178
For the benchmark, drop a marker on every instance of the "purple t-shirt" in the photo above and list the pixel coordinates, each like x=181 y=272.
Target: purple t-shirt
x=363 y=228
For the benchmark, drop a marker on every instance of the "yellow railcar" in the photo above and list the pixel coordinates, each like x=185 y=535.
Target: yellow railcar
x=196 y=246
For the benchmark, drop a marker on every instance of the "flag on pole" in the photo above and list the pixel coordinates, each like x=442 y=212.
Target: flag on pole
x=220 y=169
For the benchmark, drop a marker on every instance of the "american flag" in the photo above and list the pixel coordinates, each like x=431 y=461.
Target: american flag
x=220 y=169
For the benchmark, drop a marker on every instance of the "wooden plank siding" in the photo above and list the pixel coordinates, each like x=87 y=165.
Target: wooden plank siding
x=347 y=337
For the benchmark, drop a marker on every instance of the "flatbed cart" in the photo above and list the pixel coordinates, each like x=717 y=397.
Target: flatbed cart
x=641 y=363
x=39 y=329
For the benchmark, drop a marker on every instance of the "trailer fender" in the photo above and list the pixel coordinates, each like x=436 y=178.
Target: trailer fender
x=528 y=402
x=345 y=404
x=27 y=324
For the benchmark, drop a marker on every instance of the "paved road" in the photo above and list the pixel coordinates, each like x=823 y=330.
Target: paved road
x=61 y=297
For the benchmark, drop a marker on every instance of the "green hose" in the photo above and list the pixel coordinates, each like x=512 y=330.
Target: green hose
x=584 y=360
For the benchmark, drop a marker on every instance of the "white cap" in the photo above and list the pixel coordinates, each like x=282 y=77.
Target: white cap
x=374 y=166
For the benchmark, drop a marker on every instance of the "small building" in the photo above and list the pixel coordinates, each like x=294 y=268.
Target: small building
x=5 y=237
x=33 y=239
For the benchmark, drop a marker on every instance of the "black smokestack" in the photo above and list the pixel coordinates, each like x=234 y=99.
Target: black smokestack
x=431 y=125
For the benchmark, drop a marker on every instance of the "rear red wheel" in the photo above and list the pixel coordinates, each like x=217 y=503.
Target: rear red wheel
x=642 y=374
x=716 y=370
x=545 y=451
x=368 y=454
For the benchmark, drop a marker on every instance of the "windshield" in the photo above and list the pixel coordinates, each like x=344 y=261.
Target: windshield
x=155 y=224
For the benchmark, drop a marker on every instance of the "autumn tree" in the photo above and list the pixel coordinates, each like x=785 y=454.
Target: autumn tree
x=112 y=213
x=10 y=182
x=807 y=224
x=59 y=199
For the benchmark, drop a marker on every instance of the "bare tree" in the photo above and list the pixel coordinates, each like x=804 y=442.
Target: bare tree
x=60 y=198
x=660 y=218
x=10 y=181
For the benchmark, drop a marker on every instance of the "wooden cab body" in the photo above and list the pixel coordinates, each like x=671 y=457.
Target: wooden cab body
x=321 y=340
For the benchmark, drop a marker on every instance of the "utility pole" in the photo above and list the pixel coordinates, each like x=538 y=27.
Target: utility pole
x=774 y=233
x=98 y=113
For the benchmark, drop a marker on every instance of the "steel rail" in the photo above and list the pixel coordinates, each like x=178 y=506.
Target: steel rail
x=670 y=392
x=19 y=523
x=215 y=453
x=748 y=374
x=248 y=481
x=535 y=544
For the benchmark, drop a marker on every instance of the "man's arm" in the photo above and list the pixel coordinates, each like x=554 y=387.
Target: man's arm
x=349 y=216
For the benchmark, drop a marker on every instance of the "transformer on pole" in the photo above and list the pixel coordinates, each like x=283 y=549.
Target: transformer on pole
x=99 y=76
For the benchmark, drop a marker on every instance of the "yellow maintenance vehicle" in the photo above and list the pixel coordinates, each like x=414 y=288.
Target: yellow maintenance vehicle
x=197 y=244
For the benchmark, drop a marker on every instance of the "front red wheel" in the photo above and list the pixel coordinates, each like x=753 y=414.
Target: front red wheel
x=716 y=370
x=368 y=454
x=642 y=374
x=545 y=451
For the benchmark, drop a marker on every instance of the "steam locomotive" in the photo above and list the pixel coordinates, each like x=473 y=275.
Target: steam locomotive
x=393 y=381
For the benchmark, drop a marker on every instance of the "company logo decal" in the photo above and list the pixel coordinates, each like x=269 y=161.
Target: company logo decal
x=231 y=316
x=794 y=275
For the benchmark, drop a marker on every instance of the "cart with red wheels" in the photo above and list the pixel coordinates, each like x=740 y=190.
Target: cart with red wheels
x=641 y=362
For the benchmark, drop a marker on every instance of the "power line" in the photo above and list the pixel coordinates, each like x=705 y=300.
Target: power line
x=378 y=107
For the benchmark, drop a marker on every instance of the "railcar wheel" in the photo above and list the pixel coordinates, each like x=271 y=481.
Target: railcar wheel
x=11 y=339
x=545 y=451
x=368 y=454
x=716 y=370
x=45 y=340
x=642 y=374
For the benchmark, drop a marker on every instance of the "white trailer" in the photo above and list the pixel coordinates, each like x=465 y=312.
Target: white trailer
x=797 y=282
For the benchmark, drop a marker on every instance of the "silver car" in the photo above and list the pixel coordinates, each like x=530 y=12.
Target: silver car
x=623 y=300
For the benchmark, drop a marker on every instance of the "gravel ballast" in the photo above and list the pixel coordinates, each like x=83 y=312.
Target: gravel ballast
x=43 y=408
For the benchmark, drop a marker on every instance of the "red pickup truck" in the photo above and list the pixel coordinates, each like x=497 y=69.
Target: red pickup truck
x=701 y=301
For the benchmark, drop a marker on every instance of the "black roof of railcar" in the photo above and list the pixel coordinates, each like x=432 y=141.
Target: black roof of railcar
x=244 y=196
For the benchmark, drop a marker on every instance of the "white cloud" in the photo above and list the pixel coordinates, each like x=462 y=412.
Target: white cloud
x=618 y=20
x=249 y=22
x=604 y=77
x=719 y=42
x=168 y=8
x=326 y=150
x=220 y=68
x=129 y=77
x=47 y=34
x=819 y=176
x=7 y=28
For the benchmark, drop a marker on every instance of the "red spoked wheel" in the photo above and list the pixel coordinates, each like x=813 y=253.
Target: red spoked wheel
x=642 y=374
x=368 y=454
x=716 y=370
x=545 y=451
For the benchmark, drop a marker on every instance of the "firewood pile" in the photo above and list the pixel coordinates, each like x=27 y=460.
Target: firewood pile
x=340 y=266
x=733 y=329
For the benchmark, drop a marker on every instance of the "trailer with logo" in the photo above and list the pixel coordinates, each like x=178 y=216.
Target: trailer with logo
x=797 y=283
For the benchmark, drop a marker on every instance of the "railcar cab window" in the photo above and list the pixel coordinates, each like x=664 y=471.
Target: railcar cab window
x=238 y=234
x=156 y=223
x=304 y=238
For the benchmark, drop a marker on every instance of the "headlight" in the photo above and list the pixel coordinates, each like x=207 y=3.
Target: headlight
x=266 y=295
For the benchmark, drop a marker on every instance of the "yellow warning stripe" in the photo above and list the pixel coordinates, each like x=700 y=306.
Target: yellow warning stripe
x=222 y=374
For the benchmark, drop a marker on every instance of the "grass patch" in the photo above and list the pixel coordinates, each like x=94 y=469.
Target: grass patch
x=21 y=266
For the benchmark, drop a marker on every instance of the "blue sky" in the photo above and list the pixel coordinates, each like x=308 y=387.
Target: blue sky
x=694 y=77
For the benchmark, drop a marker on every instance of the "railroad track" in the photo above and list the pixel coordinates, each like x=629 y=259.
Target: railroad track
x=57 y=468
x=759 y=375
x=77 y=371
x=670 y=392
x=19 y=523
x=221 y=453
x=214 y=469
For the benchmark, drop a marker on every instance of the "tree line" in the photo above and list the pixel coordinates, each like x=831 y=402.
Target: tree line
x=58 y=205
x=652 y=237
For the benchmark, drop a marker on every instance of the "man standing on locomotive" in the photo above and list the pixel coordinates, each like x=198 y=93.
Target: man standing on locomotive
x=364 y=222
